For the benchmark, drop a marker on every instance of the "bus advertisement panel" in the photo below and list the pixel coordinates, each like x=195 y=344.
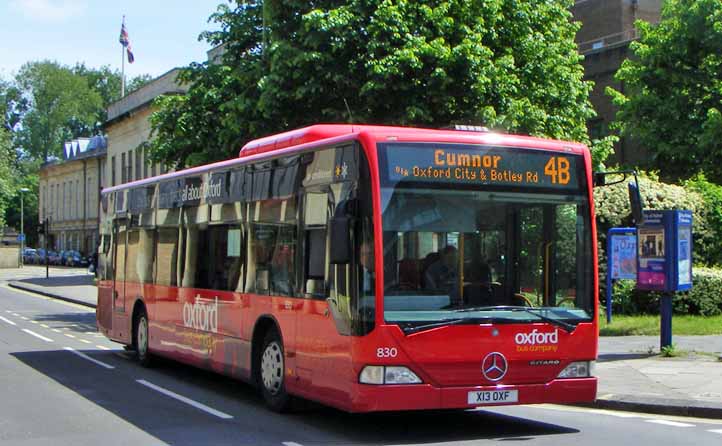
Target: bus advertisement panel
x=368 y=268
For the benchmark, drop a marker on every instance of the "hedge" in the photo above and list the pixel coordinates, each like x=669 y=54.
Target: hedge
x=705 y=298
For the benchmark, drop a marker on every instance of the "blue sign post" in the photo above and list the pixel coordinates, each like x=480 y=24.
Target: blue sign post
x=664 y=245
x=621 y=260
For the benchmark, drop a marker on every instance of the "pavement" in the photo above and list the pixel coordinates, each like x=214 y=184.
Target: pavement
x=632 y=374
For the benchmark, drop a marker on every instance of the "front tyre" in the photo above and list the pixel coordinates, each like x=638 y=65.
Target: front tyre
x=140 y=338
x=271 y=373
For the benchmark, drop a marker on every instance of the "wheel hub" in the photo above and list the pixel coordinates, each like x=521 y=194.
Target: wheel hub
x=272 y=368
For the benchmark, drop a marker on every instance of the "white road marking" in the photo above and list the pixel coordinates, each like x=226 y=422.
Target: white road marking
x=84 y=356
x=670 y=423
x=102 y=348
x=186 y=400
x=56 y=330
x=34 y=322
x=83 y=340
x=16 y=315
x=7 y=320
x=69 y=335
x=715 y=431
x=291 y=443
x=44 y=326
x=37 y=335
x=8 y=311
x=24 y=318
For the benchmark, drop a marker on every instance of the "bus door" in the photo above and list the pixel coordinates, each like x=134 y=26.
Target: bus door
x=121 y=326
x=323 y=341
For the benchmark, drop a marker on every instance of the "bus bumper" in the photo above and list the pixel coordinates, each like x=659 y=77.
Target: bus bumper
x=370 y=398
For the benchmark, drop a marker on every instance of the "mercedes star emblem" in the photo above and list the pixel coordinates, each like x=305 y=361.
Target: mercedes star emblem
x=494 y=366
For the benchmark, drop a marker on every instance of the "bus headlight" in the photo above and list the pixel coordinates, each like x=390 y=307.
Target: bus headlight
x=579 y=369
x=378 y=374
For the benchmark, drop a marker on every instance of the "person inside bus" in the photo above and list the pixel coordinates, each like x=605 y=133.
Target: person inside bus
x=368 y=273
x=443 y=273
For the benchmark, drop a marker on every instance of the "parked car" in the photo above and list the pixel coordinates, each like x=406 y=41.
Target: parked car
x=53 y=258
x=73 y=258
x=30 y=256
x=40 y=258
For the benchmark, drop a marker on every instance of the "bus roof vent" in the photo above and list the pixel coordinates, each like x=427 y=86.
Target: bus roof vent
x=294 y=137
x=470 y=128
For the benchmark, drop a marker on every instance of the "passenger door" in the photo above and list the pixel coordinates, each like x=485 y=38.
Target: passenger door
x=121 y=326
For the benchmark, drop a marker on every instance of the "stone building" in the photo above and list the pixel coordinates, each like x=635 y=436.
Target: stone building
x=128 y=129
x=604 y=38
x=69 y=194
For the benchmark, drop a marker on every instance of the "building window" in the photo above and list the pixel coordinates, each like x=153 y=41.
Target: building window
x=129 y=175
x=123 y=179
x=112 y=171
x=138 y=160
x=145 y=163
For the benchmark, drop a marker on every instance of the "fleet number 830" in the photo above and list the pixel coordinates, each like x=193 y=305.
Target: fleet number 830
x=386 y=352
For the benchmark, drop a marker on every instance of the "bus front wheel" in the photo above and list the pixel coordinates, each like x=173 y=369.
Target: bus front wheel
x=271 y=373
x=140 y=338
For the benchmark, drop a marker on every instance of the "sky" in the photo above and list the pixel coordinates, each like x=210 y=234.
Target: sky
x=163 y=33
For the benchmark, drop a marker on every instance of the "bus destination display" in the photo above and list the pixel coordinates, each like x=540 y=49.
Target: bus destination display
x=495 y=166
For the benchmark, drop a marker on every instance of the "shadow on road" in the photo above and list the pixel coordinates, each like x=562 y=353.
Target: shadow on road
x=610 y=357
x=78 y=322
x=170 y=421
x=60 y=281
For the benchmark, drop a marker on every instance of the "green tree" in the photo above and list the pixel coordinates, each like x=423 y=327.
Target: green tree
x=106 y=81
x=509 y=65
x=672 y=99
x=6 y=174
x=62 y=106
x=12 y=105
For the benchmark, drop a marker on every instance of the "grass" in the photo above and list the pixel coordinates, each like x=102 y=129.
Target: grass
x=649 y=325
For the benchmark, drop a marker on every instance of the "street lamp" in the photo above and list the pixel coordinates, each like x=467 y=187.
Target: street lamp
x=22 y=227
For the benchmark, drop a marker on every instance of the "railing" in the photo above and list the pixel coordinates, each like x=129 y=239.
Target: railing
x=607 y=41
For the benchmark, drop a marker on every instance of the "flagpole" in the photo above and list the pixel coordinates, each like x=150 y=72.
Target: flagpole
x=122 y=70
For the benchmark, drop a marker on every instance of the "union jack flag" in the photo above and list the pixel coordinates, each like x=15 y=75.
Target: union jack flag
x=125 y=41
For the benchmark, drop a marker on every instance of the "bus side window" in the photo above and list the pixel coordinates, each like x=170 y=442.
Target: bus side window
x=166 y=256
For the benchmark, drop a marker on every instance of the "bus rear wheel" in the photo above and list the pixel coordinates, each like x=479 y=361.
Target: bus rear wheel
x=140 y=338
x=271 y=373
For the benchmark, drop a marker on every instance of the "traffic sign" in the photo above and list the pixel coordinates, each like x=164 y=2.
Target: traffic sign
x=21 y=237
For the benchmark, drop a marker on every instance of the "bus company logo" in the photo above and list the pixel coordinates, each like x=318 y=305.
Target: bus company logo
x=537 y=341
x=201 y=315
x=494 y=366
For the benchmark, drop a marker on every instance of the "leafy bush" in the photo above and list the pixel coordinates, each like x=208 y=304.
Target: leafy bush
x=708 y=244
x=705 y=298
x=613 y=210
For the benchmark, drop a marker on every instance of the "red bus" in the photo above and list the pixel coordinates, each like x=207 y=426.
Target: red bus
x=368 y=268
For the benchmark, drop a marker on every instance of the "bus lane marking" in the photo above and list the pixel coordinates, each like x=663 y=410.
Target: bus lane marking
x=186 y=400
x=32 y=333
x=7 y=320
x=670 y=423
x=84 y=356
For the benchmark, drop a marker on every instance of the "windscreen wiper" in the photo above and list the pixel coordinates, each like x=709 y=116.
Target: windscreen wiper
x=566 y=326
x=410 y=329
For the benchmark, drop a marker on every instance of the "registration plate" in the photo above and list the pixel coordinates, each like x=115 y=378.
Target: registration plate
x=493 y=397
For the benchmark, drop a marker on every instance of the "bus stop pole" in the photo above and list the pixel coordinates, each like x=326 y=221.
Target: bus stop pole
x=665 y=304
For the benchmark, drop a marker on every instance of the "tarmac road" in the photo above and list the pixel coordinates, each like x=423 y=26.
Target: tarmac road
x=64 y=384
